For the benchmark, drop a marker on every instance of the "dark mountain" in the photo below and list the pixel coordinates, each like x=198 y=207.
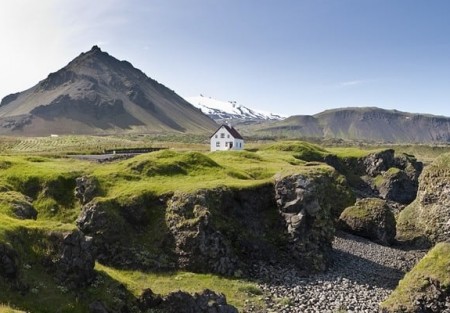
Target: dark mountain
x=98 y=94
x=369 y=124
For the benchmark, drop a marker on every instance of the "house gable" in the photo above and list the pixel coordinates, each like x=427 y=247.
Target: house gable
x=231 y=130
x=226 y=138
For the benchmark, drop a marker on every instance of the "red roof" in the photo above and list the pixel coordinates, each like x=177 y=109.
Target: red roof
x=231 y=130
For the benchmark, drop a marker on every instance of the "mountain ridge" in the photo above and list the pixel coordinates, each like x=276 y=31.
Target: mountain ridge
x=97 y=94
x=362 y=123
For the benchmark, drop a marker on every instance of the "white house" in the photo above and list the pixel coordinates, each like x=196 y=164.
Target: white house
x=226 y=138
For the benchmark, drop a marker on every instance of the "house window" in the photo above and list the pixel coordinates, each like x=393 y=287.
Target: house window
x=215 y=136
x=228 y=136
x=222 y=135
x=217 y=143
x=226 y=144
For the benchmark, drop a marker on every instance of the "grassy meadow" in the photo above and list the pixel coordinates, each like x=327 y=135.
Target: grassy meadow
x=40 y=171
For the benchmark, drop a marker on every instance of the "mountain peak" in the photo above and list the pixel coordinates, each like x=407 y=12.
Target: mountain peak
x=96 y=48
x=99 y=94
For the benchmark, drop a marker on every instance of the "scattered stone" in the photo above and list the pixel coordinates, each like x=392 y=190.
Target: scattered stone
x=362 y=275
x=182 y=302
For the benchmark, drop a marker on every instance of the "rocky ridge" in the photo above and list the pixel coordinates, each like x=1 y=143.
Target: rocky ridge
x=366 y=124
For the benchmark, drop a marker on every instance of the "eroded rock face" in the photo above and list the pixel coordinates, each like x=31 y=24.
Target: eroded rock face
x=86 y=189
x=97 y=221
x=379 y=162
x=429 y=215
x=370 y=218
x=381 y=174
x=74 y=260
x=182 y=302
x=224 y=230
x=8 y=262
x=199 y=246
x=307 y=210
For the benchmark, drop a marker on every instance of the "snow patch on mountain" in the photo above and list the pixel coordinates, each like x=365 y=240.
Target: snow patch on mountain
x=229 y=110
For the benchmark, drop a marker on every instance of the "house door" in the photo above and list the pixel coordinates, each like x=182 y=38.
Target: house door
x=230 y=145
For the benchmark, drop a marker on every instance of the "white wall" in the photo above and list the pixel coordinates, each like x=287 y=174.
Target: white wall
x=221 y=140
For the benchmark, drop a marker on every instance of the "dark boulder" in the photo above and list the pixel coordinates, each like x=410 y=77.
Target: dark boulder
x=370 y=218
x=396 y=185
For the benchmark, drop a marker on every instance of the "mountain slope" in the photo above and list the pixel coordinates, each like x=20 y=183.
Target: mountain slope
x=222 y=111
x=98 y=94
x=371 y=124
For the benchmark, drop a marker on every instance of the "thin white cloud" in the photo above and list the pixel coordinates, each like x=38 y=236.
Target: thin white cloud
x=351 y=83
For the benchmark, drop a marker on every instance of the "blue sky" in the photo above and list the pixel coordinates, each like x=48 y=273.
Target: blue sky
x=285 y=56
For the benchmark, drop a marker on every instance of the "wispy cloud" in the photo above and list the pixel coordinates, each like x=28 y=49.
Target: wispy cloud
x=350 y=83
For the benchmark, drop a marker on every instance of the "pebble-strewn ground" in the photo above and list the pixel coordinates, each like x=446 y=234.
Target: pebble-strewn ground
x=362 y=276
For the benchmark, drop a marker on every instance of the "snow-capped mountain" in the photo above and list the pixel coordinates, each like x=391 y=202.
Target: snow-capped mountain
x=222 y=111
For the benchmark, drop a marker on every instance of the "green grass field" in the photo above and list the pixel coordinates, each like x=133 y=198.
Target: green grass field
x=39 y=171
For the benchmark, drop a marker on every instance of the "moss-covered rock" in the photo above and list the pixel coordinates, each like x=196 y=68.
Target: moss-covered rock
x=426 y=288
x=200 y=246
x=371 y=218
x=17 y=205
x=396 y=185
x=380 y=174
x=427 y=219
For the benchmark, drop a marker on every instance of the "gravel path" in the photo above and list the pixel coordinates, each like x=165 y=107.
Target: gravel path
x=362 y=276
